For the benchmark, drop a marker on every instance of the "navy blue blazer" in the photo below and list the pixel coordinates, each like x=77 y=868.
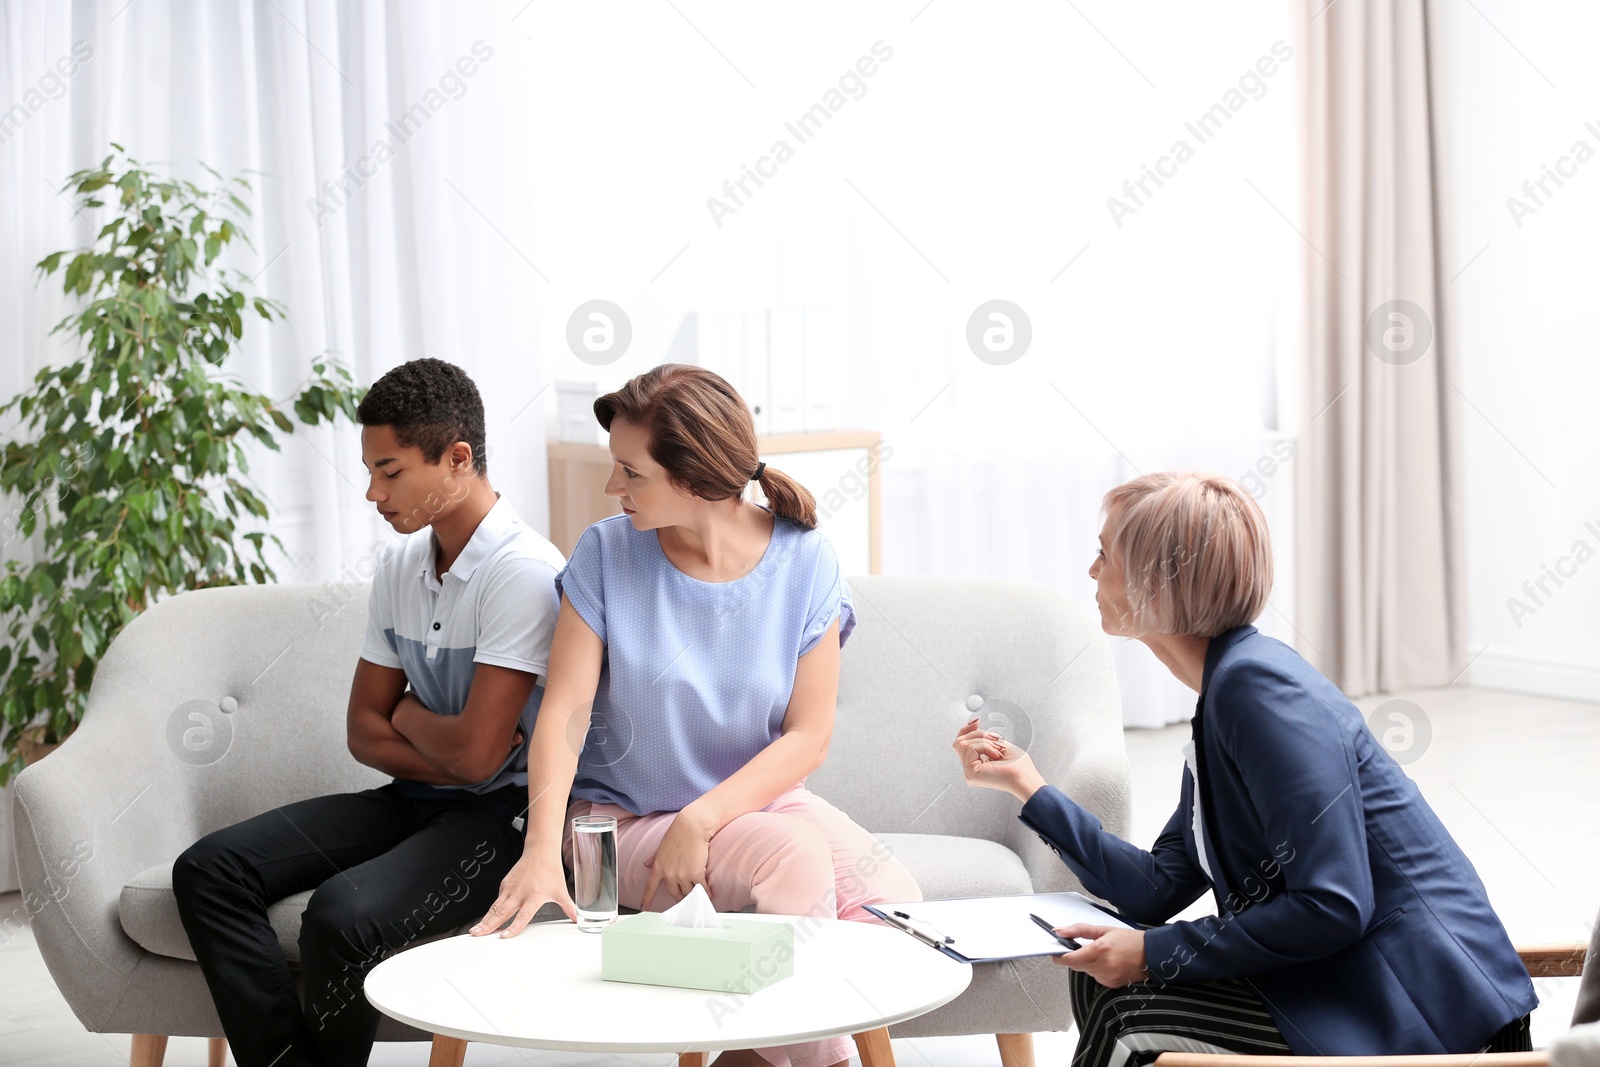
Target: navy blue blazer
x=1340 y=895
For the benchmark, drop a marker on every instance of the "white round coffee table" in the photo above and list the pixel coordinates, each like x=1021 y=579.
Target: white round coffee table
x=542 y=989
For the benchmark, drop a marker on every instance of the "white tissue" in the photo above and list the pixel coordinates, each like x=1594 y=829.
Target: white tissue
x=695 y=912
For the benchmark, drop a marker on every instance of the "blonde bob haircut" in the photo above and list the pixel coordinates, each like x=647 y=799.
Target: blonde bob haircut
x=1194 y=549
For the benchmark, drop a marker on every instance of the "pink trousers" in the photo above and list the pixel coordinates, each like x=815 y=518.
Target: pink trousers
x=798 y=856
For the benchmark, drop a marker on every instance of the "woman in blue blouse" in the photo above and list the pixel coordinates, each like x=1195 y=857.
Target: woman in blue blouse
x=1348 y=921
x=697 y=653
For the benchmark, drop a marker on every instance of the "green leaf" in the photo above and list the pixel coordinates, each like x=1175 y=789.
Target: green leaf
x=118 y=453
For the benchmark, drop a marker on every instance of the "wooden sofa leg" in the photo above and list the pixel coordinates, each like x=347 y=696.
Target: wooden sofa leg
x=216 y=1052
x=148 y=1050
x=447 y=1051
x=1016 y=1050
x=692 y=1059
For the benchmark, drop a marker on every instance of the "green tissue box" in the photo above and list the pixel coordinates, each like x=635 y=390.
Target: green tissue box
x=749 y=954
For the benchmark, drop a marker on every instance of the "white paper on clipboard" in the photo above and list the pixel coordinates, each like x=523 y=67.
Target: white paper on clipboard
x=981 y=929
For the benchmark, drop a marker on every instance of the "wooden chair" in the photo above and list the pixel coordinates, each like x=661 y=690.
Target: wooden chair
x=1542 y=961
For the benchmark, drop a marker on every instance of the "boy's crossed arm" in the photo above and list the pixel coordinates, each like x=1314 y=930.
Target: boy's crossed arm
x=392 y=732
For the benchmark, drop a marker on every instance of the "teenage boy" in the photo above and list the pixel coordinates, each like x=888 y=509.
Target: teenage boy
x=444 y=697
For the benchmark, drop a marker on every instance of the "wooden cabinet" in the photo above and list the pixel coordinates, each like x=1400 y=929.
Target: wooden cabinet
x=840 y=468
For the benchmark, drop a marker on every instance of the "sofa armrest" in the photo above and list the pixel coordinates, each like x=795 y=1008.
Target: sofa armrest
x=1079 y=749
x=109 y=803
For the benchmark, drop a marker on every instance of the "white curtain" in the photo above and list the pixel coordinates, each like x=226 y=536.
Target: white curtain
x=426 y=253
x=983 y=158
x=388 y=212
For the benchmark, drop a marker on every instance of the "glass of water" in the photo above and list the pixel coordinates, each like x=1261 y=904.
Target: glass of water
x=594 y=871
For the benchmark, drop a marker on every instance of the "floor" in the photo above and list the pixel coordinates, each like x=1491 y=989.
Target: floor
x=1512 y=776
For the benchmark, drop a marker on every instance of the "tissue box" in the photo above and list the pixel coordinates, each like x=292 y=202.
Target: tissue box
x=748 y=955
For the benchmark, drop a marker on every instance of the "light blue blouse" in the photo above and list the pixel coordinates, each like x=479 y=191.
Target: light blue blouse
x=697 y=675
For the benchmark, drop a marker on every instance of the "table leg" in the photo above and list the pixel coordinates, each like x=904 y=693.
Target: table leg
x=447 y=1051
x=692 y=1059
x=874 y=1048
x=217 y=1052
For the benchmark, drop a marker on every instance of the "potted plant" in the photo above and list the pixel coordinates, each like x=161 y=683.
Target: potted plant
x=130 y=461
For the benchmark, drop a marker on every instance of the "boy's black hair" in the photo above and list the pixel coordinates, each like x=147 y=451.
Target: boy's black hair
x=431 y=405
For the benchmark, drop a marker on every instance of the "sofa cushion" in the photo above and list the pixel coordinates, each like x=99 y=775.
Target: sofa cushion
x=947 y=867
x=149 y=914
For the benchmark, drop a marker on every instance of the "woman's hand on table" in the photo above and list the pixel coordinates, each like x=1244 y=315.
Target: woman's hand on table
x=680 y=861
x=989 y=760
x=525 y=889
x=1114 y=957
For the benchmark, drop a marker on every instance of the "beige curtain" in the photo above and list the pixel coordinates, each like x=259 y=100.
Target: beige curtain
x=1380 y=575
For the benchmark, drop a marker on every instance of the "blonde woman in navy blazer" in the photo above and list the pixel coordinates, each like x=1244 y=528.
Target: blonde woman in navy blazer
x=1348 y=921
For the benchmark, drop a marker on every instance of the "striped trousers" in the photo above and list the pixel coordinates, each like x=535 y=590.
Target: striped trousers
x=1130 y=1026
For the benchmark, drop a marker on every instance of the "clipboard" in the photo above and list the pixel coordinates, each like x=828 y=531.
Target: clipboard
x=990 y=929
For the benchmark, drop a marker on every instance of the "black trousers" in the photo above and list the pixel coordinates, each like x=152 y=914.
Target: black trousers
x=388 y=870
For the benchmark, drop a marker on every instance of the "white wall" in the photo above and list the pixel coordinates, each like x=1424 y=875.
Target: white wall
x=1523 y=87
x=977 y=165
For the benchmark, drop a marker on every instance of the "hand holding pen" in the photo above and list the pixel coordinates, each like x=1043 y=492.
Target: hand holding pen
x=1066 y=942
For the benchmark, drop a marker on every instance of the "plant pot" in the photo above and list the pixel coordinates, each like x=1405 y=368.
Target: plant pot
x=32 y=746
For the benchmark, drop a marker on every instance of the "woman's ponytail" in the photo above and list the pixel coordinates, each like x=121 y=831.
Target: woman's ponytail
x=788 y=498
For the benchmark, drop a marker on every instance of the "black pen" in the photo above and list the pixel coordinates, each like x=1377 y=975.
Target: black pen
x=1067 y=941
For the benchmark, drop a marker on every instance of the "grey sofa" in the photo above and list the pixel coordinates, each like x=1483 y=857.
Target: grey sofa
x=217 y=705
